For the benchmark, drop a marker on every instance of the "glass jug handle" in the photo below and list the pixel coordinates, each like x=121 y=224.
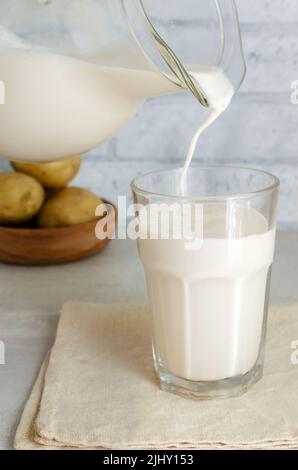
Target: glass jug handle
x=160 y=53
x=174 y=64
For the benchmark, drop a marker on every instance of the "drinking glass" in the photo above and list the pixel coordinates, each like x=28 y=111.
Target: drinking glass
x=207 y=251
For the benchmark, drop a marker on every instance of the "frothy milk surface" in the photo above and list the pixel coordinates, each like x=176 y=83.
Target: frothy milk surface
x=208 y=304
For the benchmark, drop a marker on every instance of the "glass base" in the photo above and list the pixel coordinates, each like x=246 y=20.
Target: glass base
x=226 y=388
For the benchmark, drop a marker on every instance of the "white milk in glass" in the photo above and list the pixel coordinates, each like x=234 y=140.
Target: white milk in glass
x=208 y=303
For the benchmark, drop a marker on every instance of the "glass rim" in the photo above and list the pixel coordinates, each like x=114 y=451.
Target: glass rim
x=274 y=184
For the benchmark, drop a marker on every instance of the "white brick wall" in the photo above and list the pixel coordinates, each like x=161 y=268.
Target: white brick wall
x=268 y=11
x=260 y=129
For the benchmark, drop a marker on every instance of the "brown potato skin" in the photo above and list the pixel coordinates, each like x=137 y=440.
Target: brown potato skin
x=54 y=175
x=69 y=206
x=21 y=197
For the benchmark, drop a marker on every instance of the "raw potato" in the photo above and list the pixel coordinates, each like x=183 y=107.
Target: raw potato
x=21 y=197
x=69 y=206
x=51 y=175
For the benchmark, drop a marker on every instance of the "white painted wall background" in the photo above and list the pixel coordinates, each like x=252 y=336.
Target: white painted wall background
x=260 y=129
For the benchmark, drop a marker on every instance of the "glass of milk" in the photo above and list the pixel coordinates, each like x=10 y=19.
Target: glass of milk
x=207 y=249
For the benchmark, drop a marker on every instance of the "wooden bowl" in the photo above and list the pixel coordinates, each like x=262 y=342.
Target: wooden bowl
x=42 y=246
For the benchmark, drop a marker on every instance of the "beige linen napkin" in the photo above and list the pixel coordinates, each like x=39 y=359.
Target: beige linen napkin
x=97 y=389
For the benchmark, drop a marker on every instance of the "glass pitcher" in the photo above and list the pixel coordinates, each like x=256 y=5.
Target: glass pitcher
x=73 y=72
